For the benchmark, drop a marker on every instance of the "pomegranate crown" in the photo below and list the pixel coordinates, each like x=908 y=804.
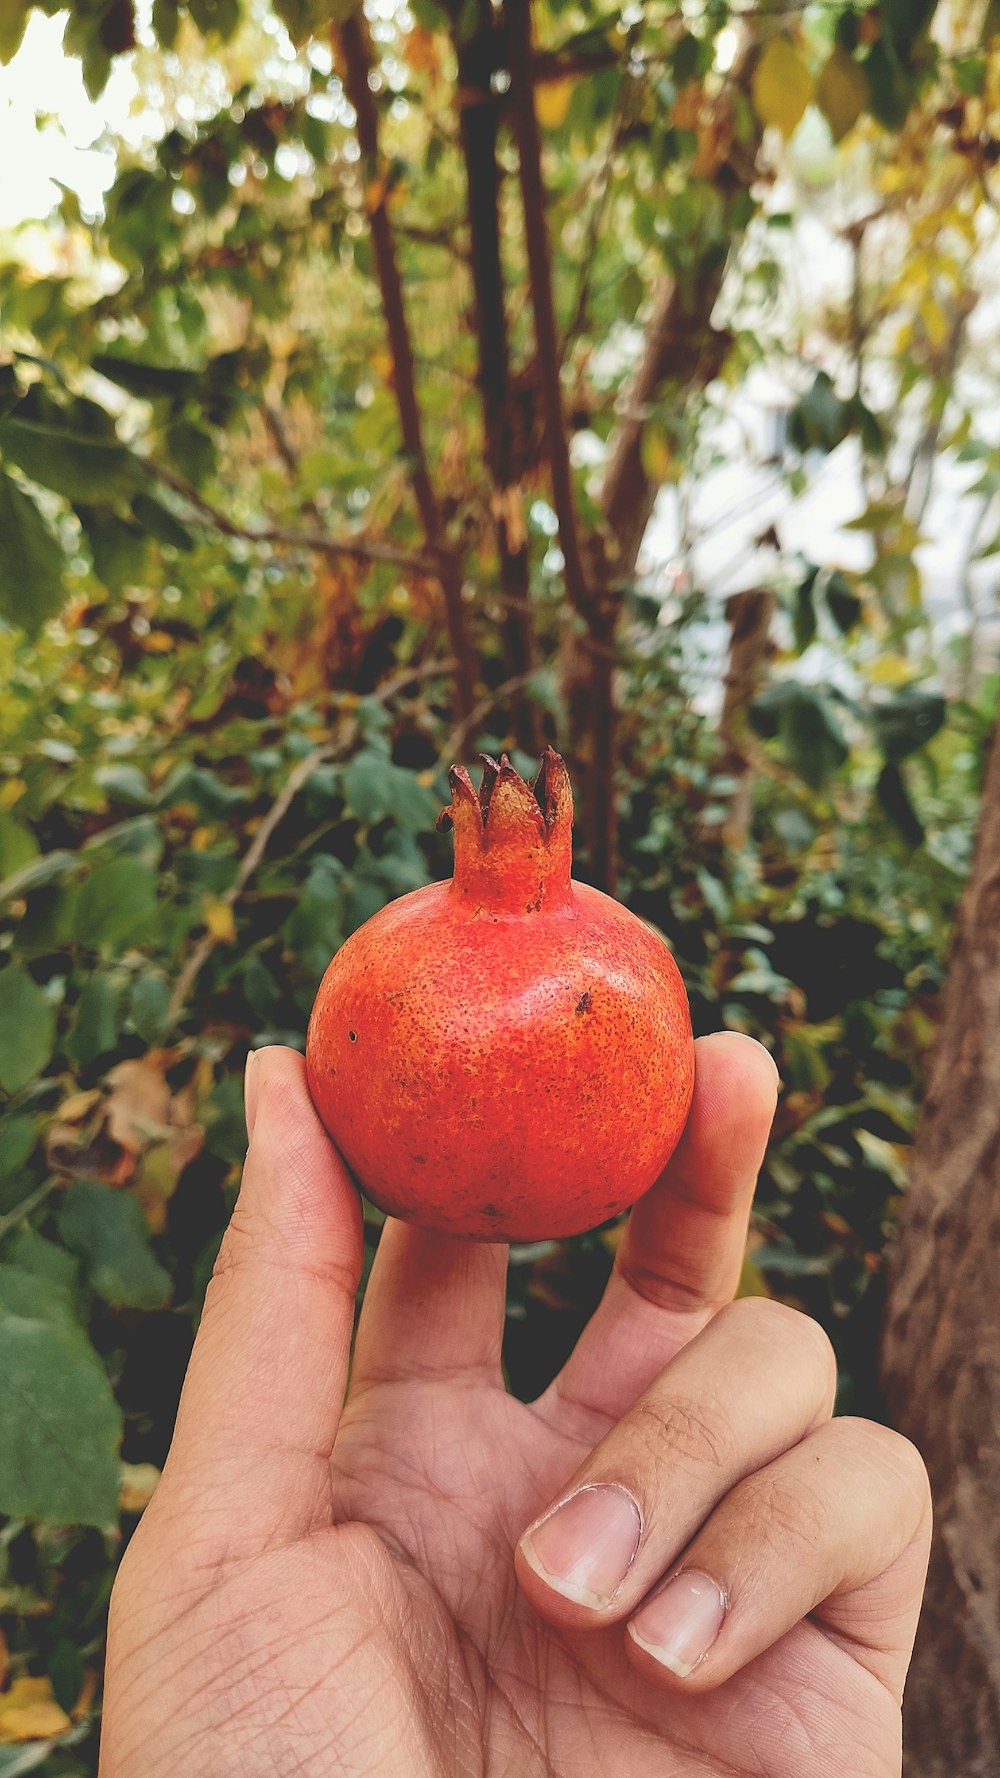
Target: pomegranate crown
x=513 y=840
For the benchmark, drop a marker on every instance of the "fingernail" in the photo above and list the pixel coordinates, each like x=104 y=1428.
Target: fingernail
x=250 y=1092
x=585 y=1547
x=679 y=1624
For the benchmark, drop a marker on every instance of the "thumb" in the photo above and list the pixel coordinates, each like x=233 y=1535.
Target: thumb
x=266 y=1383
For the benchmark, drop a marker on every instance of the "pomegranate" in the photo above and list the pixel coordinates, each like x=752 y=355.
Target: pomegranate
x=507 y=1055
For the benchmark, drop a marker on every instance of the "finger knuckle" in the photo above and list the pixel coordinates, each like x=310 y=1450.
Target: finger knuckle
x=894 y=1456
x=779 y=1510
x=675 y=1429
x=779 y=1327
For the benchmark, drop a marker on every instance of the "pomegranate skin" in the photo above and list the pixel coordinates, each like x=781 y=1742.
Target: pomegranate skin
x=507 y=1056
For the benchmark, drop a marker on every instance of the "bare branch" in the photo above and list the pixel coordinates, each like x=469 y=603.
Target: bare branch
x=364 y=549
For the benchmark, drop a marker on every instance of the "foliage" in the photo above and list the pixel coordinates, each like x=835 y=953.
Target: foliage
x=230 y=668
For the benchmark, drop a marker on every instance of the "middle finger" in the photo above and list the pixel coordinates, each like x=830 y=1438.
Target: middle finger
x=754 y=1383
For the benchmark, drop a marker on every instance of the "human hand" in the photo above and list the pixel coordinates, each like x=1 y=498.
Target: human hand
x=320 y=1588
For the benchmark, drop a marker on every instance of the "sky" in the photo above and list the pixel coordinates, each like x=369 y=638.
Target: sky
x=42 y=82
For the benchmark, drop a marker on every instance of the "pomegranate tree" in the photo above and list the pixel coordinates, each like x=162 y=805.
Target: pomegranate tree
x=507 y=1055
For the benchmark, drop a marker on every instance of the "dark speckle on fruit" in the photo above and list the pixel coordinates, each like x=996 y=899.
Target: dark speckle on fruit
x=583 y=1004
x=353 y=1036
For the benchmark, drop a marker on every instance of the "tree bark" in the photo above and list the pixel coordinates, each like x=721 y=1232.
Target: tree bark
x=941 y=1351
x=751 y=648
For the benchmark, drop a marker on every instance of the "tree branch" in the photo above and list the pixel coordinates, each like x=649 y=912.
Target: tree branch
x=364 y=549
x=479 y=55
x=598 y=209
x=536 y=235
x=679 y=349
x=297 y=777
x=358 y=67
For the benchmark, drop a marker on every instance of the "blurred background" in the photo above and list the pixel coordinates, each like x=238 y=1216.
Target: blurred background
x=380 y=386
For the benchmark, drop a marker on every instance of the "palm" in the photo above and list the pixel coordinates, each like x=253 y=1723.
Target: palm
x=283 y=1612
x=529 y=1688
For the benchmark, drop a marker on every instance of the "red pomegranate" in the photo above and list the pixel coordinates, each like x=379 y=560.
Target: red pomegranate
x=508 y=1055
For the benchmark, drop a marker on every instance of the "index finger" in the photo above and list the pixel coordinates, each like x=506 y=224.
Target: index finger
x=680 y=1257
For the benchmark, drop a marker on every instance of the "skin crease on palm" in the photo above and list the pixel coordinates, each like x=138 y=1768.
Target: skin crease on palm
x=321 y=1590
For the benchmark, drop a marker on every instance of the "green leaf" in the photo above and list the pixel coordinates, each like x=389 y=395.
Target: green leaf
x=17 y=1762
x=31 y=561
x=17 y=1140
x=18 y=845
x=843 y=605
x=804 y=621
x=145 y=380
x=191 y=451
x=908 y=721
x=60 y=1428
x=159 y=522
x=970 y=75
x=375 y=790
x=31 y=1252
x=108 y=1231
x=27 y=1028
x=226 y=1132
x=95 y=1027
x=137 y=837
x=819 y=420
x=124 y=784
x=895 y=799
x=802 y=718
x=87 y=469
x=114 y=904
x=148 y=1005
x=52 y=867
x=36 y=1297
x=66 y=1673
x=118 y=546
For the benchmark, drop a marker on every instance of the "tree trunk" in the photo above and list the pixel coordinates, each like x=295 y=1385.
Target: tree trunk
x=751 y=650
x=941 y=1353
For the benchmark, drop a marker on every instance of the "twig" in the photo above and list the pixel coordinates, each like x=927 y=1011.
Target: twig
x=359 y=66
x=462 y=730
x=365 y=549
x=297 y=777
x=24 y=1208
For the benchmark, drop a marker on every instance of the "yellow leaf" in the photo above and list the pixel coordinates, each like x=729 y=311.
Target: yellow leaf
x=752 y=1280
x=782 y=86
x=657 y=456
x=935 y=322
x=202 y=838
x=842 y=92
x=218 y=917
x=138 y=1483
x=891 y=669
x=29 y=1712
x=12 y=792
x=552 y=99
